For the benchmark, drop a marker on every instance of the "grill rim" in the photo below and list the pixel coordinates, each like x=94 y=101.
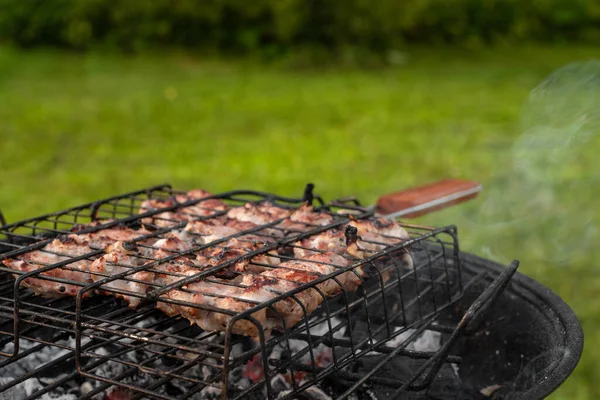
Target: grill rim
x=572 y=335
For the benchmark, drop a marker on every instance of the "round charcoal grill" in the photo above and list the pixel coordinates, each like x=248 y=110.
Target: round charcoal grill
x=503 y=336
x=528 y=344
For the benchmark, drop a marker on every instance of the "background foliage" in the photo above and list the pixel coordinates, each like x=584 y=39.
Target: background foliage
x=275 y=26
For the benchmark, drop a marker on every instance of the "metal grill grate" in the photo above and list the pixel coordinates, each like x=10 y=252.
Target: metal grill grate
x=343 y=343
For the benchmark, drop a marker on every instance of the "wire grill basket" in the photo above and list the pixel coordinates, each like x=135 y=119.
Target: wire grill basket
x=347 y=323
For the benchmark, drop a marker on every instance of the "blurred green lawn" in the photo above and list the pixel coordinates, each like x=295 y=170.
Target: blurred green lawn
x=78 y=127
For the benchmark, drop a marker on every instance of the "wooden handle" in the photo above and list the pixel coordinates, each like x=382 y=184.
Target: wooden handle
x=412 y=203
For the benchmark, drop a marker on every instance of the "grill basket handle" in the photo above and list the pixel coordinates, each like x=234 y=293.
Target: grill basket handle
x=414 y=202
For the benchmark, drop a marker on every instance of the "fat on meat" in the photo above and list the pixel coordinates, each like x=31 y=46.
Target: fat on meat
x=179 y=215
x=376 y=235
x=210 y=304
x=304 y=219
x=59 y=250
x=237 y=249
x=290 y=275
x=63 y=249
x=123 y=258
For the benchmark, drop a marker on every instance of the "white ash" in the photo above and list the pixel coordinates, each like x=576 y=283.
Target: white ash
x=428 y=340
x=208 y=392
x=28 y=387
x=243 y=383
x=86 y=387
x=146 y=323
x=34 y=360
x=280 y=384
x=315 y=393
x=29 y=363
x=311 y=393
x=237 y=350
x=296 y=345
x=323 y=328
x=455 y=368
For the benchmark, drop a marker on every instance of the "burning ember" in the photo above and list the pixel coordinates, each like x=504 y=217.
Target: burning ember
x=285 y=382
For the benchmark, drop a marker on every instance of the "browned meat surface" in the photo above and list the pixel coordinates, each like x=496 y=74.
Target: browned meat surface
x=329 y=241
x=168 y=247
x=63 y=249
x=123 y=257
x=204 y=232
x=381 y=230
x=289 y=275
x=370 y=239
x=213 y=302
x=250 y=213
x=304 y=219
x=260 y=235
x=55 y=252
x=108 y=236
x=188 y=213
x=376 y=235
x=274 y=211
x=235 y=249
x=210 y=303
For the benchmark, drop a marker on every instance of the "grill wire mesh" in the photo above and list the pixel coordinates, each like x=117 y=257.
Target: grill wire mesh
x=101 y=345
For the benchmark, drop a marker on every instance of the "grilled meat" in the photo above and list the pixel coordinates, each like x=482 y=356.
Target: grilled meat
x=123 y=258
x=204 y=232
x=376 y=235
x=202 y=208
x=300 y=220
x=290 y=275
x=231 y=247
x=209 y=231
x=274 y=211
x=328 y=241
x=251 y=213
x=371 y=237
x=305 y=218
x=168 y=247
x=58 y=251
x=236 y=249
x=107 y=236
x=383 y=231
x=64 y=249
x=210 y=303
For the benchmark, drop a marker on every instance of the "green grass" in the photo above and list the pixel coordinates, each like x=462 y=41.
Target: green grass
x=74 y=128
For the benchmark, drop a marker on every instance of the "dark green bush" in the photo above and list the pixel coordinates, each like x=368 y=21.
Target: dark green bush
x=279 y=25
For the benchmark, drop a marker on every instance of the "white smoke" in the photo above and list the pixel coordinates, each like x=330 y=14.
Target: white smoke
x=540 y=200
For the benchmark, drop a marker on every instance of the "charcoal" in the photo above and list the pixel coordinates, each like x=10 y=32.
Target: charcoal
x=208 y=393
x=280 y=384
x=43 y=356
x=314 y=393
x=25 y=389
x=447 y=384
